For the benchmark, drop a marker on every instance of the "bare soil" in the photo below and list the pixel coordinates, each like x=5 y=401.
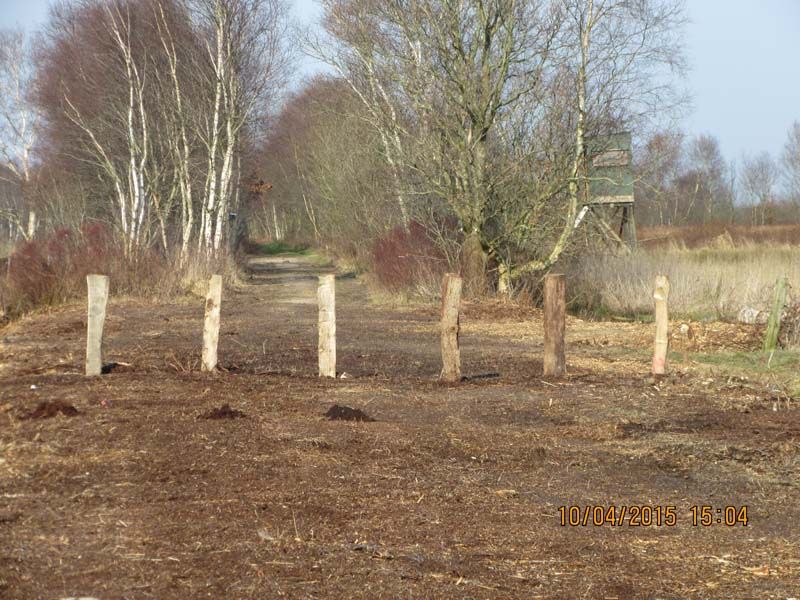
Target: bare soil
x=451 y=491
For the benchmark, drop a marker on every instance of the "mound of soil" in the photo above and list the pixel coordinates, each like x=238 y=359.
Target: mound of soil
x=345 y=413
x=224 y=412
x=45 y=410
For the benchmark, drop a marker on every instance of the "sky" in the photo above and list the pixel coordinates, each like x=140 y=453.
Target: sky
x=744 y=57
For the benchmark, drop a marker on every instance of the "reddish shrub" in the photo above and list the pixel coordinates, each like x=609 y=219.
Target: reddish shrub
x=51 y=270
x=407 y=258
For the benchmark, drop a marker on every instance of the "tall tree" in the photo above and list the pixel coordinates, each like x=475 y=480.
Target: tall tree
x=760 y=177
x=469 y=96
x=19 y=126
x=157 y=103
x=790 y=159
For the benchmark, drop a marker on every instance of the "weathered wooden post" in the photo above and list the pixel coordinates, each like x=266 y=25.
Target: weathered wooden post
x=775 y=315
x=32 y=225
x=326 y=348
x=211 y=324
x=661 y=295
x=98 y=298
x=555 y=309
x=450 y=326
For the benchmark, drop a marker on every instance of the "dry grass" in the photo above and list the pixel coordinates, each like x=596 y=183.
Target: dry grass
x=712 y=282
x=699 y=236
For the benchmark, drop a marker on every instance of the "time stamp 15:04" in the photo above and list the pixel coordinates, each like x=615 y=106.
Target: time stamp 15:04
x=699 y=515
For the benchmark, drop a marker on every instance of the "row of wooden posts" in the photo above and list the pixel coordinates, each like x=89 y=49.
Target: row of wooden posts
x=554 y=325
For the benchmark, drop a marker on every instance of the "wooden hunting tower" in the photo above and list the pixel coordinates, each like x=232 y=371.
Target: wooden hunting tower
x=609 y=187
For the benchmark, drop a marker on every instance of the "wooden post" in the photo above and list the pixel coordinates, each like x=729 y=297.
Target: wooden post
x=555 y=310
x=774 y=321
x=32 y=224
x=450 y=326
x=661 y=295
x=326 y=348
x=98 y=298
x=211 y=324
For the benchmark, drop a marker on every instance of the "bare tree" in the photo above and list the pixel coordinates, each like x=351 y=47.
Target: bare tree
x=658 y=165
x=156 y=102
x=243 y=46
x=19 y=124
x=760 y=176
x=790 y=160
x=469 y=97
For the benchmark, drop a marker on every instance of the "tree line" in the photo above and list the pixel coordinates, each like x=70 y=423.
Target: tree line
x=141 y=114
x=687 y=181
x=169 y=120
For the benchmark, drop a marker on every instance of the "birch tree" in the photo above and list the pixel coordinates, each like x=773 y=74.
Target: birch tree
x=125 y=166
x=243 y=48
x=19 y=125
x=155 y=103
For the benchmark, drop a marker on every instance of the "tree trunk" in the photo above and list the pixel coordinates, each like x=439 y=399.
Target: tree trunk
x=474 y=265
x=32 y=225
x=503 y=280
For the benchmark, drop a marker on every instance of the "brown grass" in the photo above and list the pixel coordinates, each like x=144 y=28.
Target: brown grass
x=699 y=236
x=715 y=281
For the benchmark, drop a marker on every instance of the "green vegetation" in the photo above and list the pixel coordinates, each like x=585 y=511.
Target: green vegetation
x=279 y=247
x=779 y=366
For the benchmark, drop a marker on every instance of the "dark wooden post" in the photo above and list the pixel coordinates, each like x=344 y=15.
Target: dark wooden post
x=450 y=326
x=555 y=310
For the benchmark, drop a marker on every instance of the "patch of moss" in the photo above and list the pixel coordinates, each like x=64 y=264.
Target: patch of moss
x=275 y=248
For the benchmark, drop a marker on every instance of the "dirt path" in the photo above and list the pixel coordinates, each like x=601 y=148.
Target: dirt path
x=453 y=491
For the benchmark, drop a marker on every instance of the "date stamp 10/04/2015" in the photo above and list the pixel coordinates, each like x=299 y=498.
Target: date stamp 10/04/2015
x=699 y=515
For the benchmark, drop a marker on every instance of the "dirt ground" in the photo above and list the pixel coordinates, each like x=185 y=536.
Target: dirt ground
x=158 y=481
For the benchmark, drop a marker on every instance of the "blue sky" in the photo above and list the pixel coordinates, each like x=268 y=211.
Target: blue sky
x=744 y=54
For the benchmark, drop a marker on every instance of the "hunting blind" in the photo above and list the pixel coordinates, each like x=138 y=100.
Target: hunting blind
x=609 y=187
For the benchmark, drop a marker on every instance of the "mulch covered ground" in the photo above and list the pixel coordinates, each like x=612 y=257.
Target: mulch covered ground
x=262 y=481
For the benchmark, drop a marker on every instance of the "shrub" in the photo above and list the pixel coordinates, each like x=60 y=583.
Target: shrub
x=407 y=260
x=52 y=270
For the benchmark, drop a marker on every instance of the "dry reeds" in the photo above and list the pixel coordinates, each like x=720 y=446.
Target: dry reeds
x=711 y=282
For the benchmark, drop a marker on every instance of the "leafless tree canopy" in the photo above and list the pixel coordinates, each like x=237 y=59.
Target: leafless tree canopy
x=168 y=120
x=152 y=109
x=483 y=107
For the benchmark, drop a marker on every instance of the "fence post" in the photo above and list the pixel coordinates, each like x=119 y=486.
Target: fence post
x=211 y=323
x=555 y=309
x=661 y=296
x=32 y=225
x=98 y=297
x=326 y=348
x=450 y=326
